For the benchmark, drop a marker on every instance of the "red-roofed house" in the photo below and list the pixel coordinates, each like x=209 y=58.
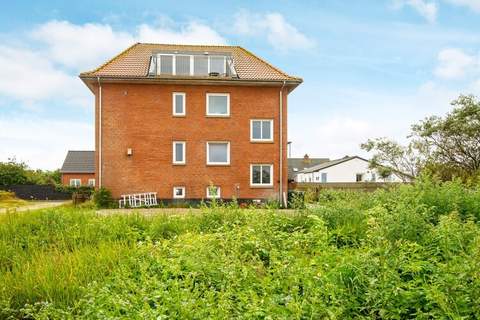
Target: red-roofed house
x=176 y=119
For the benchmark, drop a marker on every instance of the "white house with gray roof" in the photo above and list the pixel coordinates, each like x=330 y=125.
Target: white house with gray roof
x=346 y=169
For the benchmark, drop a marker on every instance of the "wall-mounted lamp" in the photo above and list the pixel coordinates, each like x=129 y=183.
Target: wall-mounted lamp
x=129 y=152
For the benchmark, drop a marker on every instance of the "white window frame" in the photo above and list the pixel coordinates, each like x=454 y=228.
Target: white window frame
x=218 y=163
x=175 y=63
x=175 y=196
x=75 y=184
x=218 y=114
x=261 y=172
x=183 y=143
x=159 y=67
x=192 y=61
x=174 y=94
x=90 y=182
x=219 y=193
x=224 y=63
x=252 y=139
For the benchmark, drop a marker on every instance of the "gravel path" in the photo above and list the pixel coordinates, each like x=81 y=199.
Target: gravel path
x=38 y=205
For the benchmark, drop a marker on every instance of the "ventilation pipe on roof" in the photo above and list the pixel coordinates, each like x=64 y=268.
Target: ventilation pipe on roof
x=281 y=195
x=99 y=133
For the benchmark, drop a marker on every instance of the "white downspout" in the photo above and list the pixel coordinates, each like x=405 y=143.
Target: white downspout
x=99 y=133
x=280 y=194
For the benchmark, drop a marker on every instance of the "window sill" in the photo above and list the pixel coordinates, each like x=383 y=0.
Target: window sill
x=217 y=116
x=179 y=164
x=218 y=164
x=262 y=141
x=179 y=115
x=254 y=186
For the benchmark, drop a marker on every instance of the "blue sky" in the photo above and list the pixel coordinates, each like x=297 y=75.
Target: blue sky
x=370 y=68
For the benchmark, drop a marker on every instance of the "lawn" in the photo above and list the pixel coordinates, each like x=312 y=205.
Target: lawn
x=411 y=252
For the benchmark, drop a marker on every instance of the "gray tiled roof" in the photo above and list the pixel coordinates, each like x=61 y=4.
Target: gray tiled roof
x=331 y=164
x=300 y=164
x=79 y=162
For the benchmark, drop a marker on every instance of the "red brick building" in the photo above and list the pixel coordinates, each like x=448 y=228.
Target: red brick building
x=176 y=119
x=78 y=169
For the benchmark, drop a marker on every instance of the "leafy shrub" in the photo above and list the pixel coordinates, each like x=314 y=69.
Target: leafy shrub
x=405 y=253
x=103 y=198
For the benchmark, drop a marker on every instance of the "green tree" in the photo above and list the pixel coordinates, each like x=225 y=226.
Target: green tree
x=13 y=172
x=454 y=140
x=390 y=156
x=447 y=146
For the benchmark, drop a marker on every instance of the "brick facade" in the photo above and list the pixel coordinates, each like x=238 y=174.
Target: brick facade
x=139 y=116
x=82 y=176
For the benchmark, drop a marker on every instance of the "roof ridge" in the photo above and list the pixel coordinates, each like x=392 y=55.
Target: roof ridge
x=187 y=45
x=112 y=59
x=267 y=63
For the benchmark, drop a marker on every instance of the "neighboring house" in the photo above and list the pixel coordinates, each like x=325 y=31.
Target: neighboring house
x=347 y=169
x=191 y=121
x=78 y=169
x=295 y=165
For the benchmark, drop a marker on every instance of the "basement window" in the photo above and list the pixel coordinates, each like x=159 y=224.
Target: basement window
x=178 y=192
x=213 y=192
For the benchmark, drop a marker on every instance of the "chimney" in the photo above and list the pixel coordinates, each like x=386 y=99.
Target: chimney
x=306 y=159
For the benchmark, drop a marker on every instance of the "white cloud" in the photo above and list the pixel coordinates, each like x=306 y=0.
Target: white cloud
x=49 y=68
x=192 y=33
x=33 y=77
x=83 y=47
x=426 y=9
x=80 y=47
x=472 y=4
x=42 y=143
x=455 y=63
x=279 y=33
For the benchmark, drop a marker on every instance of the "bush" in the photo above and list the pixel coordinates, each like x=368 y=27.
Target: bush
x=103 y=198
x=406 y=253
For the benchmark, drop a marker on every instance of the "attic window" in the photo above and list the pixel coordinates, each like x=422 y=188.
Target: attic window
x=192 y=64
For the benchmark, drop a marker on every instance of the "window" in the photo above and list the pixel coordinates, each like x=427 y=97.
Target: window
x=261 y=130
x=182 y=65
x=213 y=192
x=261 y=175
x=186 y=64
x=218 y=104
x=166 y=64
x=178 y=103
x=178 y=192
x=218 y=153
x=75 y=182
x=374 y=177
x=91 y=182
x=217 y=64
x=200 y=65
x=359 y=177
x=324 y=177
x=178 y=152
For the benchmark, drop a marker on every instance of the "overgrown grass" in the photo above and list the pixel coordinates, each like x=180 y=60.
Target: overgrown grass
x=412 y=252
x=8 y=200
